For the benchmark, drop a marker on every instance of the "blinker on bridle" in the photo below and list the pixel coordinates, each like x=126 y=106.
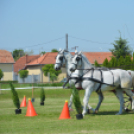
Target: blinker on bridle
x=61 y=59
x=77 y=59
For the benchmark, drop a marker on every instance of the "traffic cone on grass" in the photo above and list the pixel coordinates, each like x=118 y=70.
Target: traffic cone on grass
x=30 y=109
x=23 y=103
x=65 y=112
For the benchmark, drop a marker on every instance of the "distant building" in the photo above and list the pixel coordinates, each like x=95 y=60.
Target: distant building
x=35 y=63
x=7 y=65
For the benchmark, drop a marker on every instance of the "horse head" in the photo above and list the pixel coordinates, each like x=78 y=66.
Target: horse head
x=60 y=60
x=76 y=62
x=80 y=61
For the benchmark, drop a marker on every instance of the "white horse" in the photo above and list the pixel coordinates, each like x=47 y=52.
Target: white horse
x=64 y=58
x=100 y=80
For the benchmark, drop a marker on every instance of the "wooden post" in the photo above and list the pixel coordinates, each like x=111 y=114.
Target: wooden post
x=32 y=93
x=0 y=88
x=66 y=41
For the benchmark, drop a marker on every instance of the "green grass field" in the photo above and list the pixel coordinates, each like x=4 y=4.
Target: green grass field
x=47 y=121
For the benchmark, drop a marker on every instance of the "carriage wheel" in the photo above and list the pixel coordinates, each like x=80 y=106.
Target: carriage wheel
x=127 y=103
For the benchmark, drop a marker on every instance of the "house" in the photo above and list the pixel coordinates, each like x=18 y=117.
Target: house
x=7 y=65
x=98 y=56
x=35 y=63
x=35 y=66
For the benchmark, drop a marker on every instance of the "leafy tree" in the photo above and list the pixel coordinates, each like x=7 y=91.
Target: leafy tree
x=1 y=74
x=31 y=52
x=54 y=50
x=15 y=96
x=76 y=100
x=105 y=63
x=113 y=62
x=17 y=53
x=128 y=62
x=49 y=68
x=121 y=48
x=23 y=74
x=121 y=62
x=43 y=52
x=96 y=64
x=42 y=95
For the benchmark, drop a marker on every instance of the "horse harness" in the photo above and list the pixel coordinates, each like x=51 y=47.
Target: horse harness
x=81 y=78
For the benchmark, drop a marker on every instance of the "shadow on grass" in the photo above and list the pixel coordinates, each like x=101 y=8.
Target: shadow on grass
x=111 y=113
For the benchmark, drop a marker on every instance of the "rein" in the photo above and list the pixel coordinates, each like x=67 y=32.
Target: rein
x=80 y=78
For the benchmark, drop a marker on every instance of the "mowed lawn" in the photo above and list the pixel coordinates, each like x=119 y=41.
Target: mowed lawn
x=47 y=121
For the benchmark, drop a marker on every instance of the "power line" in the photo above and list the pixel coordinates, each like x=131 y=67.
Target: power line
x=88 y=40
x=46 y=42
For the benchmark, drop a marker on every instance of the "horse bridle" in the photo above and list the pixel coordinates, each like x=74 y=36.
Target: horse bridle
x=62 y=55
x=76 y=60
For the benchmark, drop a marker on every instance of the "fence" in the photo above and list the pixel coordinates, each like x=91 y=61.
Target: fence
x=28 y=79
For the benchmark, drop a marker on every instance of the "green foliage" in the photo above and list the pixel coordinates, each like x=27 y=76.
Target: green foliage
x=23 y=74
x=54 y=50
x=105 y=63
x=43 y=52
x=76 y=101
x=49 y=68
x=15 y=96
x=121 y=48
x=96 y=64
x=42 y=95
x=53 y=77
x=17 y=53
x=113 y=62
x=128 y=63
x=1 y=74
x=121 y=62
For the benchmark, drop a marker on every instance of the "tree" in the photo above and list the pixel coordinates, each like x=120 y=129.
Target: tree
x=128 y=63
x=31 y=52
x=15 y=97
x=23 y=74
x=49 y=68
x=121 y=48
x=96 y=64
x=17 y=53
x=54 y=50
x=105 y=63
x=121 y=62
x=113 y=62
x=1 y=74
x=43 y=52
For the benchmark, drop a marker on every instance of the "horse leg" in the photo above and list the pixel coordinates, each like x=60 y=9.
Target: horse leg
x=119 y=95
x=131 y=95
x=85 y=100
x=100 y=101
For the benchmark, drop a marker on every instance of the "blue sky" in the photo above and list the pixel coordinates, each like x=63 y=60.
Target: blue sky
x=41 y=25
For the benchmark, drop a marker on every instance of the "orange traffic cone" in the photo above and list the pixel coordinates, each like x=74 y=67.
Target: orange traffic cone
x=23 y=103
x=30 y=109
x=65 y=112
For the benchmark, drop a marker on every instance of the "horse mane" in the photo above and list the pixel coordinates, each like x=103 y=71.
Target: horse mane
x=87 y=64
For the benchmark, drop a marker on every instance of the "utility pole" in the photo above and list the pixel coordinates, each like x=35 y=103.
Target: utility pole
x=66 y=41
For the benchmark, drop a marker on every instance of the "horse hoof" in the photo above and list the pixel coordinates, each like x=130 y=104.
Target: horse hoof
x=96 y=111
x=118 y=114
x=88 y=111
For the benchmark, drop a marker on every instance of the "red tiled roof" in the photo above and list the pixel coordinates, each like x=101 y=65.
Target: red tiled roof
x=22 y=61
x=47 y=58
x=6 y=57
x=98 y=56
